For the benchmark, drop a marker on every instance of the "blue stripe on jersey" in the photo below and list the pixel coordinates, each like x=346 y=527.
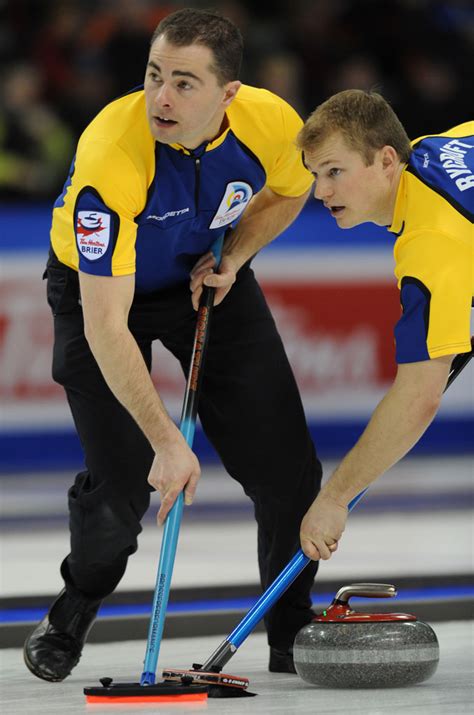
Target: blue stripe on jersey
x=411 y=331
x=446 y=164
x=60 y=200
x=96 y=228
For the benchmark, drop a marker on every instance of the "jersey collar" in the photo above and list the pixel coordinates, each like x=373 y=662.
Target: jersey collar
x=205 y=146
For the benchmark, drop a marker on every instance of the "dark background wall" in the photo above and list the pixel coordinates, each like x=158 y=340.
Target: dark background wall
x=62 y=60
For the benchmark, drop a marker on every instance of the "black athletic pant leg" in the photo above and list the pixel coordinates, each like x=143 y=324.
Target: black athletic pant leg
x=109 y=498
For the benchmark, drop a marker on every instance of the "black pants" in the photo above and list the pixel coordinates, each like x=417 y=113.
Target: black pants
x=249 y=408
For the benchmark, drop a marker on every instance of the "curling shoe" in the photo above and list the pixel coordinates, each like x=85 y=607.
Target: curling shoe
x=55 y=646
x=281 y=661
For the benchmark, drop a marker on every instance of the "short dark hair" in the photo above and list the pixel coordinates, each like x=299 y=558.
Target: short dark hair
x=365 y=120
x=188 y=26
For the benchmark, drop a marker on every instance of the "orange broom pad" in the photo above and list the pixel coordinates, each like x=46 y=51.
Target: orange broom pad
x=187 y=698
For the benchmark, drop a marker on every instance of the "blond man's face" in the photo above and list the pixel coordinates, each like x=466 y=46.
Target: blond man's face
x=353 y=192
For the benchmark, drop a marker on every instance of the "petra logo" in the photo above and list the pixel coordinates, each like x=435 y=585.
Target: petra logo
x=92 y=234
x=236 y=197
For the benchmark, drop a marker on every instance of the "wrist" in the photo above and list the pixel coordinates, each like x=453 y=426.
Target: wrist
x=164 y=433
x=233 y=260
x=331 y=494
x=233 y=250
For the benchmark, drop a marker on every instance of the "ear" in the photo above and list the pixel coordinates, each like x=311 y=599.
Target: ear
x=389 y=157
x=230 y=92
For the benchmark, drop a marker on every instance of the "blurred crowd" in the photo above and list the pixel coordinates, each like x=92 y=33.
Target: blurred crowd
x=62 y=60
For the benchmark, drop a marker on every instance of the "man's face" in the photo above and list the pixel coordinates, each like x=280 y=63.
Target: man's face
x=352 y=191
x=184 y=102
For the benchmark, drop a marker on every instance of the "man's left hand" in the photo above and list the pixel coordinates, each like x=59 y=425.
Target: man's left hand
x=203 y=274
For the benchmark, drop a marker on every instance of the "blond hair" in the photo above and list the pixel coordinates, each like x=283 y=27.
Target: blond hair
x=365 y=119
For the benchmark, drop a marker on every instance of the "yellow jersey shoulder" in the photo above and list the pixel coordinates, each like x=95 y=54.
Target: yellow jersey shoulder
x=436 y=192
x=460 y=130
x=268 y=126
x=123 y=123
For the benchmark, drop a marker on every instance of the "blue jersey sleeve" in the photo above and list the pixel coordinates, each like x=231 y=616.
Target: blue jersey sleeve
x=411 y=331
x=96 y=228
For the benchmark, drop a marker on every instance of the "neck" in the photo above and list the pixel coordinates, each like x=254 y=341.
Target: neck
x=387 y=209
x=392 y=196
x=214 y=130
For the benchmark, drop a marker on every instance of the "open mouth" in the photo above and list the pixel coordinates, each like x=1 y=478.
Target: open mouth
x=164 y=122
x=336 y=210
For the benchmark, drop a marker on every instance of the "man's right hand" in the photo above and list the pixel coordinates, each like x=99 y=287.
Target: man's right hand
x=203 y=274
x=322 y=527
x=174 y=468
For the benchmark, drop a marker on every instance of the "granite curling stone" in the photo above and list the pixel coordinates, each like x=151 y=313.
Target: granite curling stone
x=341 y=648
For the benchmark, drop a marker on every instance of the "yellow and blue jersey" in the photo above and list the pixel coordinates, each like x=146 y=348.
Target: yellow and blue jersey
x=433 y=221
x=133 y=205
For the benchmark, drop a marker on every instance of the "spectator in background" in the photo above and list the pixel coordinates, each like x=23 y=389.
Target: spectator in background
x=35 y=145
x=90 y=51
x=435 y=85
x=357 y=72
x=281 y=73
x=56 y=47
x=312 y=36
x=264 y=35
x=126 y=51
x=85 y=98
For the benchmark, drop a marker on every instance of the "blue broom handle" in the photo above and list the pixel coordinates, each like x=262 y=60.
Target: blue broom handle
x=162 y=588
x=273 y=593
x=172 y=526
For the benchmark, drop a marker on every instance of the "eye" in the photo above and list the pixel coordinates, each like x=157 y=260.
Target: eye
x=154 y=77
x=184 y=85
x=334 y=172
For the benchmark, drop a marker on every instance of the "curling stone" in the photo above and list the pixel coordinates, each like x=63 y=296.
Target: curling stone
x=341 y=648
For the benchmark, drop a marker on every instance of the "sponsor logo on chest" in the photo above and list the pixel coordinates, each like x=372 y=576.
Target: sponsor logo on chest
x=168 y=214
x=236 y=197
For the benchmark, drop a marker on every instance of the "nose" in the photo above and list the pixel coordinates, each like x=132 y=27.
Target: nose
x=322 y=190
x=163 y=96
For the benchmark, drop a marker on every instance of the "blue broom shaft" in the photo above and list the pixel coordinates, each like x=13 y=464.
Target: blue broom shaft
x=173 y=520
x=162 y=589
x=169 y=547
x=273 y=593
x=169 y=542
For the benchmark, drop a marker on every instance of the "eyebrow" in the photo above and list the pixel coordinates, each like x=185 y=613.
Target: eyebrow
x=176 y=73
x=325 y=163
